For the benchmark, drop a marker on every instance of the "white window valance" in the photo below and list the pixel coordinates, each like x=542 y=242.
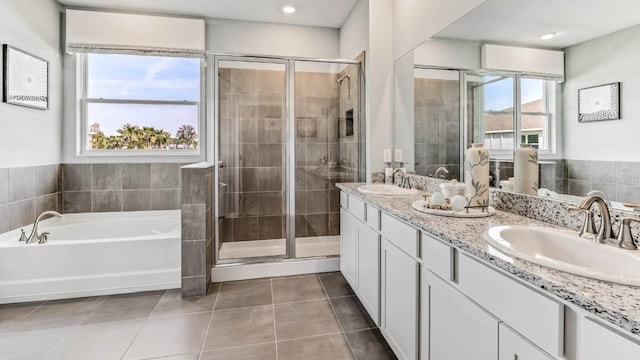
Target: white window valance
x=548 y=64
x=107 y=32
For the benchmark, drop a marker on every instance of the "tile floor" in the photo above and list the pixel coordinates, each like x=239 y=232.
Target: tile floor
x=301 y=317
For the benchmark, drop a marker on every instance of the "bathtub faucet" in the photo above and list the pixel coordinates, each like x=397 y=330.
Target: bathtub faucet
x=42 y=238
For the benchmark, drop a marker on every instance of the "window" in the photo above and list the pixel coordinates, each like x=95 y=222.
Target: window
x=133 y=103
x=494 y=97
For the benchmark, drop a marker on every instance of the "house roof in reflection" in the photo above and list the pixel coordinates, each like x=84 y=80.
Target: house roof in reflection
x=499 y=122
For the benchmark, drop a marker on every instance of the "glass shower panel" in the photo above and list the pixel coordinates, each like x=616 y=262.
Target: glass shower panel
x=490 y=119
x=252 y=126
x=437 y=122
x=327 y=140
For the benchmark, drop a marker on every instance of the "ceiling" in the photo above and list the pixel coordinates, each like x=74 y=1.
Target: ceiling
x=522 y=22
x=325 y=13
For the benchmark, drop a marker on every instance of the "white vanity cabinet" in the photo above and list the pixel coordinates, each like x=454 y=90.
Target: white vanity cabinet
x=434 y=301
x=454 y=327
x=599 y=343
x=360 y=253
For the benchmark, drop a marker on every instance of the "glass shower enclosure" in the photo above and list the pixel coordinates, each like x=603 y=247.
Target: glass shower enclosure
x=287 y=131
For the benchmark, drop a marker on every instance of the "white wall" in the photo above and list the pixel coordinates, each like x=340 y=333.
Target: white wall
x=456 y=54
x=246 y=37
x=611 y=58
x=415 y=21
x=404 y=123
x=30 y=136
x=380 y=83
x=354 y=33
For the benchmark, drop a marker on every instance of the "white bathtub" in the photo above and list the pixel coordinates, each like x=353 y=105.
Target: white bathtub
x=92 y=254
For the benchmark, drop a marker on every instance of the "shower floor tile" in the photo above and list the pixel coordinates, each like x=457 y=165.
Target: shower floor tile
x=297 y=317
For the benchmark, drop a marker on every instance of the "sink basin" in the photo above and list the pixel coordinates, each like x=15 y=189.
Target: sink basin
x=384 y=189
x=566 y=251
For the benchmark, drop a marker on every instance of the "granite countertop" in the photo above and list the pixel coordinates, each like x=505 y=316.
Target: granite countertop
x=617 y=304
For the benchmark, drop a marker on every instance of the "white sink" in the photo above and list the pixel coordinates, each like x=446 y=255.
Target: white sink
x=384 y=189
x=564 y=250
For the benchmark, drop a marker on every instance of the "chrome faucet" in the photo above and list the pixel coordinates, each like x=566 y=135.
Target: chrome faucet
x=404 y=181
x=33 y=236
x=625 y=239
x=605 y=231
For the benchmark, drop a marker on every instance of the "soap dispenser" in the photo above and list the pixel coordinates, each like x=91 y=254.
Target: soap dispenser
x=388 y=171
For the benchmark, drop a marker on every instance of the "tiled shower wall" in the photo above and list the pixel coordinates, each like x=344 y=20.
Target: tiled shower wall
x=437 y=126
x=120 y=187
x=252 y=126
x=25 y=192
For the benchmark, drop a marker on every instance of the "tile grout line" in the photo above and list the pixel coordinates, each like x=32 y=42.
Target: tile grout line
x=141 y=327
x=60 y=342
x=273 y=307
x=206 y=333
x=344 y=334
x=23 y=317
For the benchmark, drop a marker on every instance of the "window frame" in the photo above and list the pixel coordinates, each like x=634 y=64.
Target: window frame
x=550 y=127
x=82 y=121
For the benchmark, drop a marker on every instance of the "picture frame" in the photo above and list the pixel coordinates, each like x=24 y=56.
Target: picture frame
x=598 y=103
x=25 y=78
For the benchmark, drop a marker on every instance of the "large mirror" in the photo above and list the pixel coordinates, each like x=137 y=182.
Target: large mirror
x=456 y=89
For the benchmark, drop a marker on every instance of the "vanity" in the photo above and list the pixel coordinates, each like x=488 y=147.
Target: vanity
x=437 y=290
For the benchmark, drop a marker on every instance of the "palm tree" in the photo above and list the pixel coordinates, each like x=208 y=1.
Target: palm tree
x=115 y=142
x=131 y=136
x=149 y=136
x=99 y=141
x=162 y=138
x=186 y=134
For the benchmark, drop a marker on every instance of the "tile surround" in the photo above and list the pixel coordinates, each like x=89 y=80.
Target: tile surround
x=120 y=187
x=26 y=192
x=196 y=226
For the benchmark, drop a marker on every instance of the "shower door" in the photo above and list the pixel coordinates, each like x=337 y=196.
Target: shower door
x=287 y=131
x=252 y=109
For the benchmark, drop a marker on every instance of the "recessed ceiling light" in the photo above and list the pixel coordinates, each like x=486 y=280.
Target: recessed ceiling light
x=289 y=9
x=548 y=36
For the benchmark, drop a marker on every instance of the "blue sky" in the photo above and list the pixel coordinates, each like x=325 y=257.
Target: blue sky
x=499 y=94
x=143 y=78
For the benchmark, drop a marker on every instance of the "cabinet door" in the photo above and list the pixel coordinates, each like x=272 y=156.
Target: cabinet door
x=348 y=241
x=400 y=286
x=602 y=343
x=514 y=347
x=458 y=328
x=369 y=270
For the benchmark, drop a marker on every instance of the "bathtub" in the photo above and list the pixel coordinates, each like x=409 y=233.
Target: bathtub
x=92 y=254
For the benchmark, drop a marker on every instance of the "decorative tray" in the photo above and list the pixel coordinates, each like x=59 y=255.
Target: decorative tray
x=420 y=205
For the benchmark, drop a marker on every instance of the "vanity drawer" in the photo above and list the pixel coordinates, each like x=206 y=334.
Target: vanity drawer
x=400 y=234
x=373 y=217
x=534 y=315
x=438 y=257
x=344 y=200
x=358 y=208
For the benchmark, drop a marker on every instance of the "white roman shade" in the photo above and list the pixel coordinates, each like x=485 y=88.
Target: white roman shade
x=543 y=63
x=106 y=32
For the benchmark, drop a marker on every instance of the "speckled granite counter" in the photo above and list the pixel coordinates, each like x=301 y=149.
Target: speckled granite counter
x=617 y=304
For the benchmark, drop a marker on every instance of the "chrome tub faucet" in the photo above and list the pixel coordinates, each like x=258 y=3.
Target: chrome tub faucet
x=33 y=236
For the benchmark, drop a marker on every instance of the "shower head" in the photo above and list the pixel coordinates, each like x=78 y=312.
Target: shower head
x=340 y=80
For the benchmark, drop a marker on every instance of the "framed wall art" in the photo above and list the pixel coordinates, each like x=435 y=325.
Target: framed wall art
x=26 y=79
x=598 y=103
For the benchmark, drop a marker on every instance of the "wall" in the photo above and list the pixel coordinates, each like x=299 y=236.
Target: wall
x=120 y=187
x=35 y=132
x=415 y=21
x=246 y=37
x=380 y=83
x=455 y=54
x=354 y=33
x=607 y=59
